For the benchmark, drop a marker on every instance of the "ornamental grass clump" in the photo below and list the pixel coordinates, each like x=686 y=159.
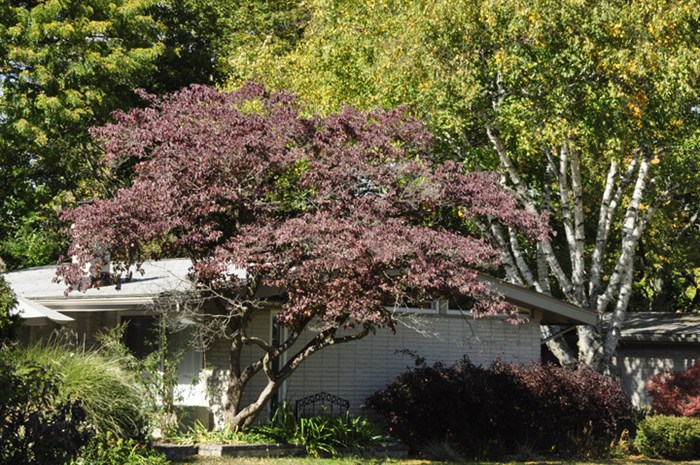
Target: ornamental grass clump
x=107 y=391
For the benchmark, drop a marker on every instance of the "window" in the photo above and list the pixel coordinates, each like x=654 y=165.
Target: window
x=140 y=334
x=411 y=306
x=461 y=305
x=192 y=360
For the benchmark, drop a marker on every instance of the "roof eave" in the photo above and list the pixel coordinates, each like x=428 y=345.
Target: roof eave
x=554 y=311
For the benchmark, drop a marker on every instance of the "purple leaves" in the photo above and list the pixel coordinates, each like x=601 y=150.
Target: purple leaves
x=338 y=211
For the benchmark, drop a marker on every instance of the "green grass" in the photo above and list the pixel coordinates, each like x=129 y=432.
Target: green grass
x=362 y=461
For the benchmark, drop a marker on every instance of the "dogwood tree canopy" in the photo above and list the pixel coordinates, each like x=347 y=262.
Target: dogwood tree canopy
x=347 y=214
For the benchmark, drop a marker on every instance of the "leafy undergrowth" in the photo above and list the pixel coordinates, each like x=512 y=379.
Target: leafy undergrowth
x=362 y=461
x=199 y=434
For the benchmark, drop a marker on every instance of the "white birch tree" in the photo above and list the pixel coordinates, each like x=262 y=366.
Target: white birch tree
x=588 y=108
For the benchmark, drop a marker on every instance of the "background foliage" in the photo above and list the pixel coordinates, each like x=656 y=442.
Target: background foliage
x=609 y=75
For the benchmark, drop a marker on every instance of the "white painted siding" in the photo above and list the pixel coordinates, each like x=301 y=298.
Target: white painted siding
x=355 y=370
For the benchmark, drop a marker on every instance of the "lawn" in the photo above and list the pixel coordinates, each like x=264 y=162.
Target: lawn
x=362 y=461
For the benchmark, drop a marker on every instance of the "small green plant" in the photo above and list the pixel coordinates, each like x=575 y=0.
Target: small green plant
x=320 y=434
x=199 y=434
x=673 y=438
x=111 y=450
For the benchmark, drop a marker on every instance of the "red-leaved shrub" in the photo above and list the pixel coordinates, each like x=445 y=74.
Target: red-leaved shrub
x=488 y=412
x=676 y=392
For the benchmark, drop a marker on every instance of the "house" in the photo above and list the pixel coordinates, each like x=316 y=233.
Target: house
x=652 y=342
x=437 y=332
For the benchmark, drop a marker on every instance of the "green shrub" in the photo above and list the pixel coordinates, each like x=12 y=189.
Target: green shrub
x=673 y=438
x=36 y=428
x=108 y=392
x=110 y=450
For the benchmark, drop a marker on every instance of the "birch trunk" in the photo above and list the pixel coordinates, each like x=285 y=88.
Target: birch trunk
x=586 y=288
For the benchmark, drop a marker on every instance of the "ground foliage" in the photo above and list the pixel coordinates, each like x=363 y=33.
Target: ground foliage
x=504 y=409
x=345 y=214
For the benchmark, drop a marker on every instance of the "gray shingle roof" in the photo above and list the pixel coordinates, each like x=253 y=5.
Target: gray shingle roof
x=661 y=327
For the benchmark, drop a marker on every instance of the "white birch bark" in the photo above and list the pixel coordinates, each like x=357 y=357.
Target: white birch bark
x=629 y=243
x=522 y=195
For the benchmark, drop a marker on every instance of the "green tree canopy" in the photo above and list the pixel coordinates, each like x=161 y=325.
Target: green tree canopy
x=66 y=66
x=588 y=108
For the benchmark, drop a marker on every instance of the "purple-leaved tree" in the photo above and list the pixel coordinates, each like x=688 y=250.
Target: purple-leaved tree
x=347 y=215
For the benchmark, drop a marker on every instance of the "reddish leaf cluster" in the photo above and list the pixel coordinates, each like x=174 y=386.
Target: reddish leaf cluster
x=544 y=407
x=338 y=211
x=676 y=392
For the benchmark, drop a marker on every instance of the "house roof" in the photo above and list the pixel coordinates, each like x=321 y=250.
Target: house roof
x=160 y=277
x=661 y=327
x=554 y=311
x=33 y=313
x=170 y=275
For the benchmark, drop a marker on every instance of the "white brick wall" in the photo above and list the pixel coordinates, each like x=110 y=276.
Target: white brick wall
x=355 y=370
x=636 y=363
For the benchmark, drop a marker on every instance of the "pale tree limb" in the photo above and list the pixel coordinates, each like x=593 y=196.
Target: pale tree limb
x=604 y=226
x=519 y=255
x=578 y=256
x=542 y=266
x=559 y=348
x=601 y=235
x=620 y=311
x=629 y=243
x=590 y=346
x=565 y=199
x=522 y=195
x=513 y=274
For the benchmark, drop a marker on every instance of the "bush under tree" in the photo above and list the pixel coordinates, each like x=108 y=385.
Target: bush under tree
x=503 y=409
x=676 y=392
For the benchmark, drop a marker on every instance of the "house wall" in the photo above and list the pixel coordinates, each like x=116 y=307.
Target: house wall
x=635 y=363
x=355 y=370
x=87 y=326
